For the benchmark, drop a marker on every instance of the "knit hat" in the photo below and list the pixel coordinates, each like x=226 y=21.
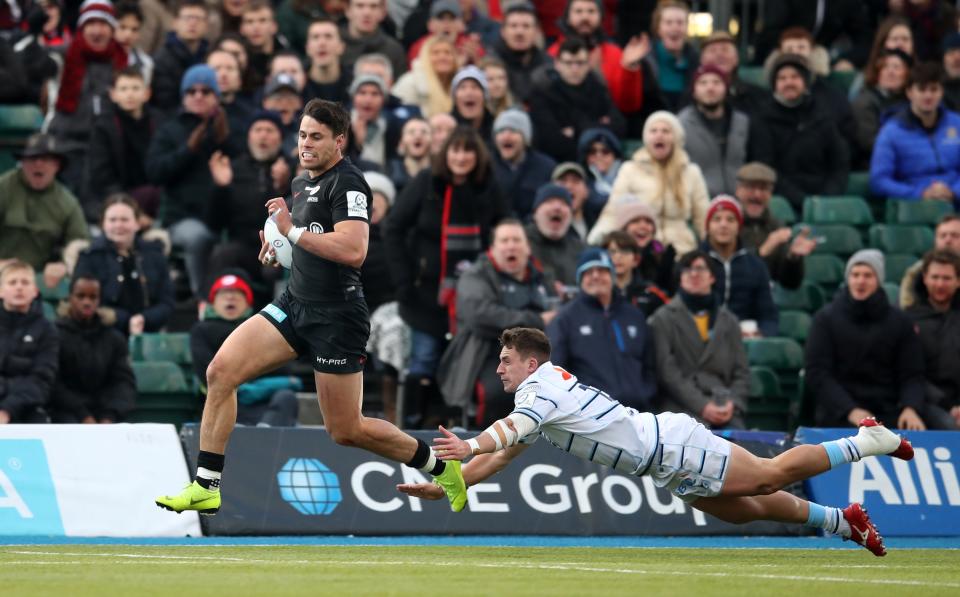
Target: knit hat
x=551 y=190
x=469 y=72
x=439 y=7
x=870 y=257
x=231 y=282
x=97 y=9
x=711 y=69
x=630 y=208
x=796 y=61
x=679 y=137
x=516 y=120
x=269 y=116
x=368 y=80
x=199 y=74
x=593 y=257
x=725 y=202
x=757 y=172
x=379 y=183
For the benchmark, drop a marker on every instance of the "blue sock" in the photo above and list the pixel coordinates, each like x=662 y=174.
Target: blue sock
x=841 y=451
x=827 y=518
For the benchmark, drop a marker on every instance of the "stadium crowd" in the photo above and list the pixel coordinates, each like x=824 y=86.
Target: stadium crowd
x=658 y=203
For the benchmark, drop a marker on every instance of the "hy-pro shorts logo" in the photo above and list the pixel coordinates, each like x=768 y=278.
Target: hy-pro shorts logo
x=28 y=500
x=309 y=486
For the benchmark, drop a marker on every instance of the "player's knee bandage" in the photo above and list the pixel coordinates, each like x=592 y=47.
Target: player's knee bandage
x=507 y=431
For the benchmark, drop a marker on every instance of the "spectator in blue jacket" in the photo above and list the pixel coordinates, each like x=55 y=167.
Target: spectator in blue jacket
x=604 y=338
x=917 y=153
x=520 y=168
x=742 y=280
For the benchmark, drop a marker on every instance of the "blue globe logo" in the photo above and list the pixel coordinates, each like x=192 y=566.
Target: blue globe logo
x=309 y=486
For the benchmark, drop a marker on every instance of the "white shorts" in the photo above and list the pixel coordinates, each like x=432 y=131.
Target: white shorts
x=690 y=461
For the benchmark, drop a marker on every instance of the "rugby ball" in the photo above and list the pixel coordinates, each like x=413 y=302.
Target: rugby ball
x=279 y=244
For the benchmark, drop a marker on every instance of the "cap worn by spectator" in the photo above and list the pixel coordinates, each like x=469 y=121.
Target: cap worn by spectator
x=199 y=74
x=379 y=183
x=368 y=80
x=231 y=282
x=951 y=41
x=97 y=10
x=710 y=69
x=566 y=168
x=551 y=190
x=41 y=144
x=796 y=61
x=280 y=82
x=516 y=120
x=728 y=203
x=717 y=37
x=469 y=72
x=268 y=115
x=869 y=257
x=629 y=210
x=593 y=257
x=757 y=172
x=441 y=7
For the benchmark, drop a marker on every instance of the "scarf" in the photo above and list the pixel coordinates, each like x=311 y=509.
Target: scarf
x=75 y=68
x=460 y=243
x=698 y=303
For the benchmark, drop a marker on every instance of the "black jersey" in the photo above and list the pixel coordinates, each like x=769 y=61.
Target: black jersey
x=339 y=194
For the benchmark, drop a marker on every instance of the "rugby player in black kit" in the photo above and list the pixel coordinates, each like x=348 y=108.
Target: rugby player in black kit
x=322 y=313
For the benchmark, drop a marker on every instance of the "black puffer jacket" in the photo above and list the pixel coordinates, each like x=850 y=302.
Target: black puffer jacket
x=940 y=339
x=29 y=349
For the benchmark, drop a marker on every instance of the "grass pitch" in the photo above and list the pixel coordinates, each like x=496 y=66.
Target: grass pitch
x=173 y=571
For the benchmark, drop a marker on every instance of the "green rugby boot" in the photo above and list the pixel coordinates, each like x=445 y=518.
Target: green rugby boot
x=451 y=480
x=195 y=497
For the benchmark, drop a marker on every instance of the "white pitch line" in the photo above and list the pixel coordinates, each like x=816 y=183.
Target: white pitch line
x=573 y=567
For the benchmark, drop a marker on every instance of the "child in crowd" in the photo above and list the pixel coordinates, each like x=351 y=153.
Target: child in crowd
x=129 y=23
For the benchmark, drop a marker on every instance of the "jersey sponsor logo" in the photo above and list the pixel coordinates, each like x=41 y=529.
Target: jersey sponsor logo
x=313 y=191
x=275 y=312
x=356 y=204
x=316 y=227
x=326 y=361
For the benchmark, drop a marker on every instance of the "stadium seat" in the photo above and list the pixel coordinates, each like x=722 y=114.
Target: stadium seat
x=163 y=395
x=893 y=293
x=893 y=238
x=19 y=121
x=783 y=355
x=809 y=297
x=767 y=409
x=906 y=211
x=896 y=264
x=795 y=325
x=630 y=146
x=174 y=347
x=825 y=270
x=753 y=74
x=838 y=239
x=49 y=311
x=764 y=383
x=53 y=295
x=842 y=80
x=858 y=183
x=837 y=209
x=782 y=210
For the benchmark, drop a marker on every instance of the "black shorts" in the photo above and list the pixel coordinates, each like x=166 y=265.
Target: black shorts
x=334 y=333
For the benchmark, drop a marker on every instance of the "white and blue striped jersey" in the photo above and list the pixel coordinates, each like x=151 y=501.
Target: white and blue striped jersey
x=585 y=421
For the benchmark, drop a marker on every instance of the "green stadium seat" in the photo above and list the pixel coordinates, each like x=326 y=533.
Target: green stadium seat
x=19 y=121
x=767 y=409
x=795 y=325
x=893 y=238
x=49 y=311
x=159 y=377
x=837 y=209
x=858 y=183
x=764 y=383
x=809 y=297
x=896 y=264
x=777 y=353
x=842 y=80
x=55 y=294
x=905 y=211
x=825 y=270
x=753 y=74
x=893 y=293
x=630 y=146
x=174 y=347
x=782 y=210
x=163 y=395
x=838 y=239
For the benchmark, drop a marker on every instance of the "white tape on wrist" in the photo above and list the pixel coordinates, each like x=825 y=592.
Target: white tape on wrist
x=295 y=233
x=474 y=445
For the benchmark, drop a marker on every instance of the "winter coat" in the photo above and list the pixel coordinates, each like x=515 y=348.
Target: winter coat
x=36 y=225
x=412 y=234
x=555 y=105
x=693 y=373
x=237 y=209
x=784 y=269
x=638 y=178
x=626 y=86
x=377 y=42
x=907 y=158
x=521 y=67
x=118 y=154
x=674 y=76
x=101 y=261
x=805 y=148
x=95 y=375
x=558 y=258
x=488 y=301
x=29 y=358
x=609 y=348
x=719 y=163
x=375 y=276
x=863 y=354
x=519 y=184
x=74 y=128
x=743 y=286
x=870 y=109
x=940 y=339
x=169 y=64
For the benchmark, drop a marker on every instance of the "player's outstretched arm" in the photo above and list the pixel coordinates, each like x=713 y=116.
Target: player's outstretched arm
x=504 y=433
x=479 y=469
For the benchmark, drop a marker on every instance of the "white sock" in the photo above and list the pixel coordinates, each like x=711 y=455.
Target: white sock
x=430 y=464
x=212 y=476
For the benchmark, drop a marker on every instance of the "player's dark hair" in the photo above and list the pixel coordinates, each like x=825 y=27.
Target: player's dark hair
x=77 y=278
x=201 y=4
x=505 y=222
x=943 y=257
x=329 y=113
x=130 y=72
x=529 y=342
x=464 y=137
x=924 y=74
x=127 y=9
x=573 y=45
x=623 y=240
x=121 y=198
